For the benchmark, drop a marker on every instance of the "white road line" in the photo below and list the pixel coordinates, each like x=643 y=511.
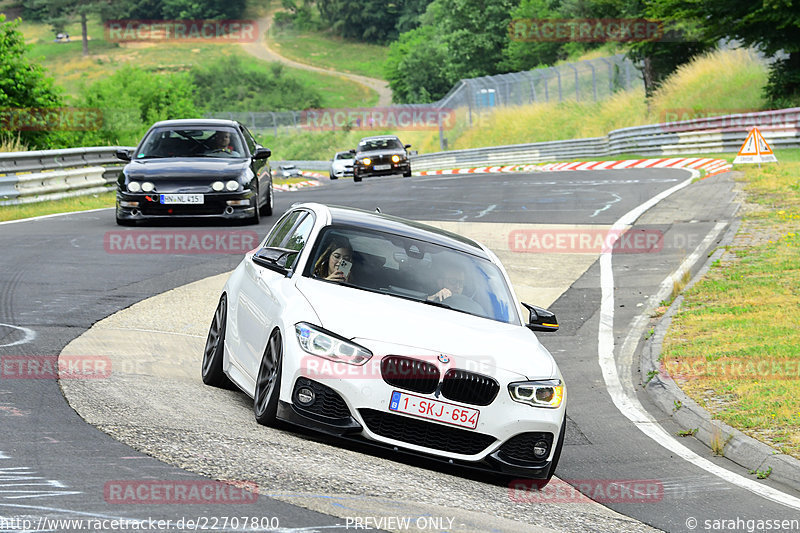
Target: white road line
x=28 y=333
x=629 y=405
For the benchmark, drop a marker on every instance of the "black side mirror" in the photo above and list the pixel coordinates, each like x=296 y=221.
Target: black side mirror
x=274 y=258
x=262 y=153
x=540 y=319
x=124 y=155
x=407 y=146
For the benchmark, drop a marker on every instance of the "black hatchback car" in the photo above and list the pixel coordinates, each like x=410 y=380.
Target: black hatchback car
x=195 y=168
x=380 y=156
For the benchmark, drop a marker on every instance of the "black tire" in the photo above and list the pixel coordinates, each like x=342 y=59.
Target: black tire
x=215 y=348
x=256 y=218
x=356 y=177
x=266 y=209
x=407 y=173
x=268 y=382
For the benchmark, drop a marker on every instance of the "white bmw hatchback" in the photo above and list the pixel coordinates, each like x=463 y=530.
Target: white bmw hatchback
x=388 y=331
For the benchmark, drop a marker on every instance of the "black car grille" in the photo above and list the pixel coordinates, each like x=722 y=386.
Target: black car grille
x=410 y=374
x=520 y=447
x=427 y=434
x=327 y=401
x=469 y=387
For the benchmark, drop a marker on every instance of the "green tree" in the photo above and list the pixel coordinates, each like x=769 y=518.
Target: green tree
x=522 y=54
x=418 y=67
x=132 y=99
x=374 y=21
x=475 y=32
x=23 y=84
x=773 y=26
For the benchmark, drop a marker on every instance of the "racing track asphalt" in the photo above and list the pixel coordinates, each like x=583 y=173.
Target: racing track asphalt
x=601 y=444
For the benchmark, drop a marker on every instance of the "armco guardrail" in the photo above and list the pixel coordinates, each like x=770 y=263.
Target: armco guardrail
x=781 y=129
x=33 y=176
x=52 y=174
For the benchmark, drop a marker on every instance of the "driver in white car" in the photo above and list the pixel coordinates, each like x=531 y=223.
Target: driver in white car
x=451 y=280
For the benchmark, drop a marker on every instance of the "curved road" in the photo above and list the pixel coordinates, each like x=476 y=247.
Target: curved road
x=262 y=50
x=60 y=276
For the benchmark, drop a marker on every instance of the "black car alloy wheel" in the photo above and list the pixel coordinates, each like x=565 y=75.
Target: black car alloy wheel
x=268 y=382
x=215 y=348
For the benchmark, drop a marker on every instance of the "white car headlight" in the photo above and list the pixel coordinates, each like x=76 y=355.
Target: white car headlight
x=134 y=186
x=232 y=185
x=148 y=186
x=321 y=343
x=545 y=393
x=217 y=186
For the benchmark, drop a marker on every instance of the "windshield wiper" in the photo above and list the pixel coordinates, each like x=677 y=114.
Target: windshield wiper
x=435 y=303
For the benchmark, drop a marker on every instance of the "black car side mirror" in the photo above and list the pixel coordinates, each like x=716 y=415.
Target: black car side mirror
x=262 y=153
x=540 y=319
x=407 y=146
x=124 y=155
x=274 y=258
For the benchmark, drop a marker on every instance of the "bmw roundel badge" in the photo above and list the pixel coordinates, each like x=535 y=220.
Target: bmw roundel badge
x=443 y=358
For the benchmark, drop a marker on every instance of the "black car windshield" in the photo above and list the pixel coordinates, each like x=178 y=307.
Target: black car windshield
x=344 y=155
x=414 y=270
x=191 y=142
x=371 y=145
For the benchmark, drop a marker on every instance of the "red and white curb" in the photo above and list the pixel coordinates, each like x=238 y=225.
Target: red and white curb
x=711 y=166
x=289 y=187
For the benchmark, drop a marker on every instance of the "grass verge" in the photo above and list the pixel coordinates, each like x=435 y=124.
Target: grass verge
x=734 y=346
x=78 y=203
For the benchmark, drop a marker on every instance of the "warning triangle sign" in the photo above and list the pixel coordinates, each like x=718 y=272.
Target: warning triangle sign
x=755 y=150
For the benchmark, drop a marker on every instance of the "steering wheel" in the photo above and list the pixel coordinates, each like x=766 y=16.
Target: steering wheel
x=464 y=303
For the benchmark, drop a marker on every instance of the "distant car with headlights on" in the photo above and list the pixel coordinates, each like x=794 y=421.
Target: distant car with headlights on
x=381 y=155
x=289 y=171
x=342 y=164
x=195 y=168
x=390 y=332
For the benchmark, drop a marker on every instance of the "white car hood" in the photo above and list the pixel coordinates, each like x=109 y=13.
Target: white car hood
x=387 y=324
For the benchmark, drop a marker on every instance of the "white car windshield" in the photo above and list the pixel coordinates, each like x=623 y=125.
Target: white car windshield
x=412 y=269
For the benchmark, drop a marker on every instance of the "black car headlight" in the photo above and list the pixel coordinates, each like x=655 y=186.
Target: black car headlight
x=547 y=393
x=321 y=343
